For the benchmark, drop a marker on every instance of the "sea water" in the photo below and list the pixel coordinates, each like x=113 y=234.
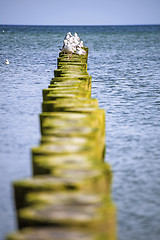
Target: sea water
x=124 y=62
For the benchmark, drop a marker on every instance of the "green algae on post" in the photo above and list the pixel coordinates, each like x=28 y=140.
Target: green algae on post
x=69 y=195
x=87 y=181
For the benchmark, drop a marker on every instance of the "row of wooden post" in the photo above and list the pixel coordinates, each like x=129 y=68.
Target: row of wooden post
x=69 y=195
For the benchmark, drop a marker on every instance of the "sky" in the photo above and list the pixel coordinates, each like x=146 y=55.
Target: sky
x=79 y=12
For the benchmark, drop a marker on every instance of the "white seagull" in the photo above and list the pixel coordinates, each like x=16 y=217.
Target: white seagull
x=68 y=35
x=76 y=36
x=80 y=51
x=72 y=44
x=81 y=44
x=6 y=62
x=67 y=48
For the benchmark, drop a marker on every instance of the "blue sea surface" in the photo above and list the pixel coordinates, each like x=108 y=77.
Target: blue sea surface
x=124 y=62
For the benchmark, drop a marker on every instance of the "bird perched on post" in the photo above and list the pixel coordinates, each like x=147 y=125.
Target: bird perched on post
x=76 y=37
x=80 y=51
x=67 y=48
x=68 y=35
x=72 y=44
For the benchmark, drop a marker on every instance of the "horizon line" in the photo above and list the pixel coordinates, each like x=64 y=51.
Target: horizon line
x=76 y=25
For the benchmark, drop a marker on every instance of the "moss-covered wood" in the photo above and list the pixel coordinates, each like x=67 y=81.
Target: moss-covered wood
x=88 y=180
x=64 y=79
x=70 y=212
x=73 y=84
x=63 y=233
x=69 y=195
x=64 y=92
x=70 y=105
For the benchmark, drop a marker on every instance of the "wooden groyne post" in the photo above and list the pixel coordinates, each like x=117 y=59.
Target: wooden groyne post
x=69 y=195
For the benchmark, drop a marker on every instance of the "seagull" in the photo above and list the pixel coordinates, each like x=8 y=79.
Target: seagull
x=67 y=48
x=81 y=44
x=72 y=44
x=70 y=39
x=68 y=35
x=76 y=37
x=80 y=51
x=67 y=45
x=6 y=62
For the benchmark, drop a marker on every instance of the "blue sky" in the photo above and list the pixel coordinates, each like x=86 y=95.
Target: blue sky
x=79 y=12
